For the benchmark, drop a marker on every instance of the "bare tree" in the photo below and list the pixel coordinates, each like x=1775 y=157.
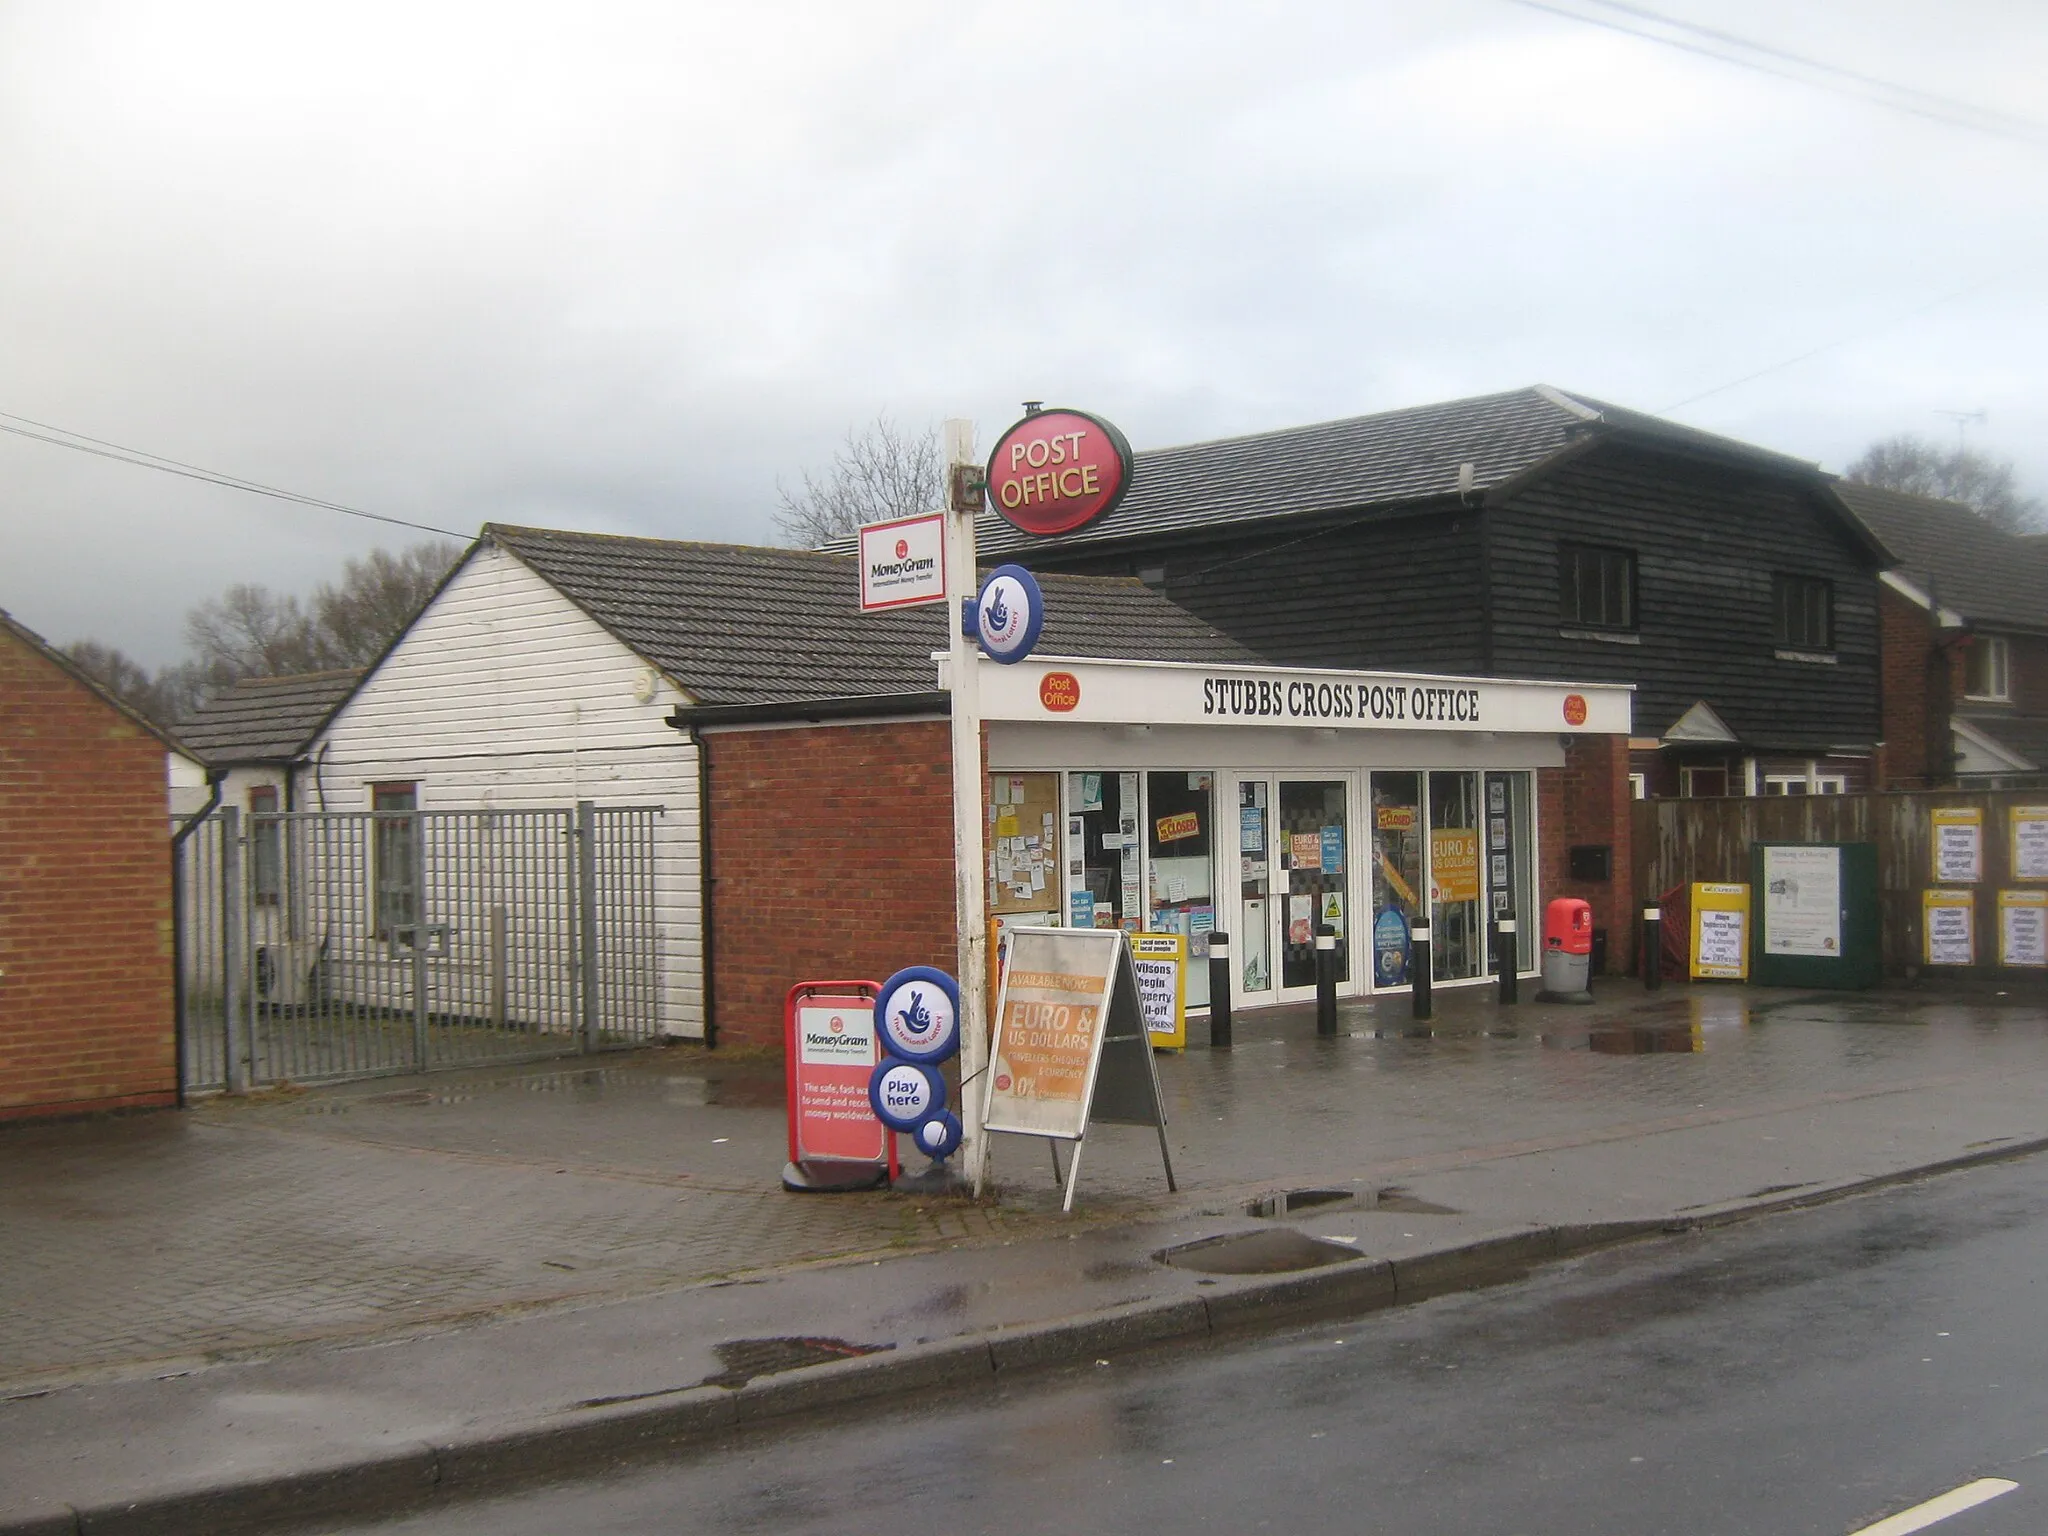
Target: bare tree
x=880 y=471
x=377 y=596
x=1923 y=468
x=250 y=631
x=165 y=697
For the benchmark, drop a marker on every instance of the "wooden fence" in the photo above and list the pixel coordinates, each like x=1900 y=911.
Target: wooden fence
x=1678 y=842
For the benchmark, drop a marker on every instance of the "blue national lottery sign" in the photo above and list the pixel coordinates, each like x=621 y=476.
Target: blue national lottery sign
x=919 y=1011
x=905 y=1094
x=1009 y=614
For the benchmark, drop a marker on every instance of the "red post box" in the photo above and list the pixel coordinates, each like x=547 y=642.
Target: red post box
x=1568 y=927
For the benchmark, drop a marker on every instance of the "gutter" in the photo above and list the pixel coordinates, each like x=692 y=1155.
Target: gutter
x=215 y=779
x=688 y=717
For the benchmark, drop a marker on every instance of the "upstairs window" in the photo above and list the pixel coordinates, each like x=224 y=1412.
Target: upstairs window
x=1805 y=612
x=266 y=862
x=1985 y=667
x=1597 y=587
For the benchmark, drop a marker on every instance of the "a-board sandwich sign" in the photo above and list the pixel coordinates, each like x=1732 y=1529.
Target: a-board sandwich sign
x=903 y=562
x=830 y=1048
x=1160 y=961
x=1070 y=1046
x=1720 y=932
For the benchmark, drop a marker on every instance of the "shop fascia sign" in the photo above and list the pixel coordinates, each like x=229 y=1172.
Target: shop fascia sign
x=1177 y=693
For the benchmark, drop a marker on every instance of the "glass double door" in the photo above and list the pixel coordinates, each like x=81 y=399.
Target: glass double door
x=1371 y=856
x=1294 y=842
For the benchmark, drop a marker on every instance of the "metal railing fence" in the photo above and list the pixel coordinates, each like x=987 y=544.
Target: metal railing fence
x=336 y=944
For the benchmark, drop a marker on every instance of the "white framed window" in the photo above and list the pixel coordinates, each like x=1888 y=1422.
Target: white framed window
x=1639 y=786
x=1811 y=782
x=1986 y=668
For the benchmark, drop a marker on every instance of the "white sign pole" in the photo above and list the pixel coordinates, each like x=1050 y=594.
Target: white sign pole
x=970 y=858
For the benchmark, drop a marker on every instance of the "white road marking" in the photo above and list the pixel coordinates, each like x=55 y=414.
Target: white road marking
x=1954 y=1502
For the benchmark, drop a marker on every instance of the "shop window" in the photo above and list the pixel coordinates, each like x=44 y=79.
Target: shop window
x=1805 y=607
x=1024 y=849
x=1985 y=668
x=1179 y=830
x=1597 y=587
x=1104 y=851
x=266 y=861
x=395 y=872
x=1510 y=866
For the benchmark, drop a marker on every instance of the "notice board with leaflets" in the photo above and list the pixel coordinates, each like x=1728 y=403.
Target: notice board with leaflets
x=1814 y=915
x=1070 y=1047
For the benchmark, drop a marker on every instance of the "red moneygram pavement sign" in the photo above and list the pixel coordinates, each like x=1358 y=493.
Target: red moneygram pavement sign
x=1056 y=470
x=831 y=1049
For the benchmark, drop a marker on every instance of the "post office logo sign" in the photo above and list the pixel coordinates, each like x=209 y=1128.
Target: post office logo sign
x=1060 y=692
x=1057 y=470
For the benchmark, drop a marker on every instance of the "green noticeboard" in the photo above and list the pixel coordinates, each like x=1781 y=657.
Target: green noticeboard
x=1816 y=915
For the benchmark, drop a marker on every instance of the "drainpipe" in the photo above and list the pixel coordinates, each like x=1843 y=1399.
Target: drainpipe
x=704 y=882
x=215 y=778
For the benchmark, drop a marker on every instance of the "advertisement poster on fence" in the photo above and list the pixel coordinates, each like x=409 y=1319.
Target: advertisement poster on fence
x=1956 y=833
x=2030 y=842
x=2023 y=928
x=1950 y=921
x=1803 y=901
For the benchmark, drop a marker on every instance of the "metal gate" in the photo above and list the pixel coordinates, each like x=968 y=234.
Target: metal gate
x=335 y=944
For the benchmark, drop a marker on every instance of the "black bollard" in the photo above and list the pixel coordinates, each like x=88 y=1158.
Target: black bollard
x=1506 y=962
x=1326 y=979
x=1219 y=991
x=1420 y=966
x=1653 y=948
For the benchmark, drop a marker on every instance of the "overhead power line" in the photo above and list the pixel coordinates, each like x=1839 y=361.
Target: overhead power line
x=1803 y=69
x=1879 y=329
x=78 y=442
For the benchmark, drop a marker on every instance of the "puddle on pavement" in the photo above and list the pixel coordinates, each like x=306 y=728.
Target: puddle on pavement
x=1274 y=1251
x=1287 y=1201
x=1395 y=1197
x=745 y=1359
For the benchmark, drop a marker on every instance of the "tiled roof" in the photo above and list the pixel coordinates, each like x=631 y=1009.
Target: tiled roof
x=266 y=719
x=739 y=624
x=1985 y=574
x=1362 y=462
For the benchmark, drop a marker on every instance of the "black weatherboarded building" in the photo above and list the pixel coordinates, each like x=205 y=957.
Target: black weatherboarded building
x=1531 y=534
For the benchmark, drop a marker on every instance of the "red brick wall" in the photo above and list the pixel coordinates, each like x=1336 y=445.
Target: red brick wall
x=1906 y=644
x=831 y=859
x=1588 y=801
x=85 y=899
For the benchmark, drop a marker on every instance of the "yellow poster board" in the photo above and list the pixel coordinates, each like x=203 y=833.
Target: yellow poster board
x=1161 y=961
x=1948 y=923
x=1720 y=932
x=1454 y=863
x=2030 y=842
x=2023 y=928
x=1956 y=840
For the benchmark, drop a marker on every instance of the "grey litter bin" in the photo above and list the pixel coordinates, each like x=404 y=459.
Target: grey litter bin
x=1565 y=974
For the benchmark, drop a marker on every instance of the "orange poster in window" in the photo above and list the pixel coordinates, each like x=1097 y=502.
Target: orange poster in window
x=1454 y=863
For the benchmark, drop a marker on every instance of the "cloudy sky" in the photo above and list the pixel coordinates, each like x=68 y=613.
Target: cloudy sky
x=621 y=267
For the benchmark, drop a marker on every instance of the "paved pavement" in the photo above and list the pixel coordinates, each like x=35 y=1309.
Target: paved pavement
x=405 y=1273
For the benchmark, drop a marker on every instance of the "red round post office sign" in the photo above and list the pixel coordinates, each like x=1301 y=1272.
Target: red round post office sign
x=1575 y=709
x=1058 y=469
x=1060 y=692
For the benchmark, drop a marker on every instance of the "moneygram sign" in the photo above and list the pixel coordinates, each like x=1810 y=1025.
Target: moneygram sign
x=903 y=562
x=1057 y=470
